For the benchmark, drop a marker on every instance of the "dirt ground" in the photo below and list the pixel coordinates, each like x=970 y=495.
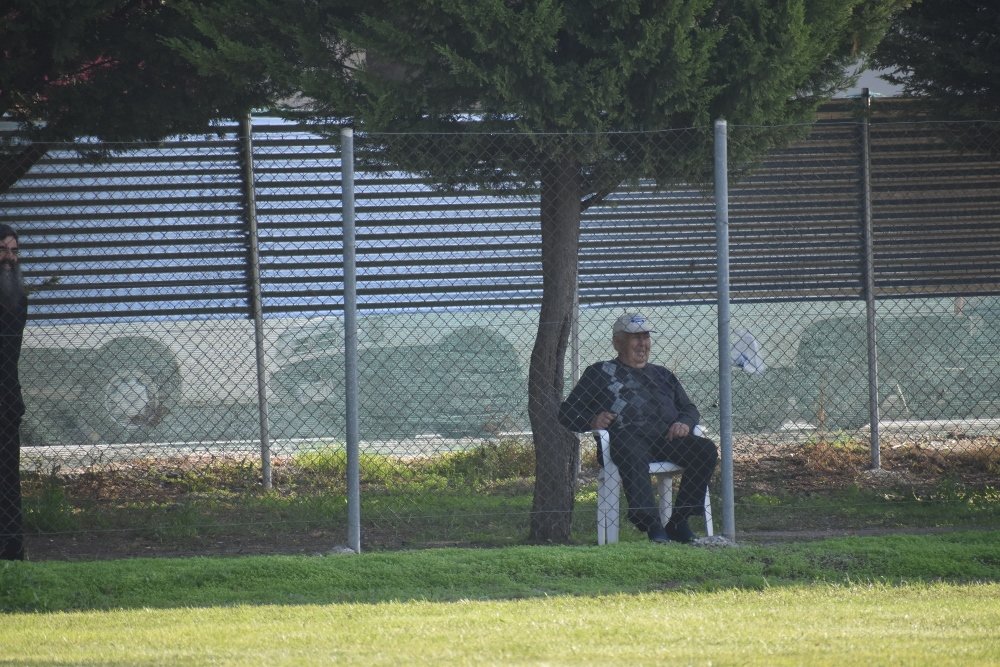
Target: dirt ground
x=761 y=466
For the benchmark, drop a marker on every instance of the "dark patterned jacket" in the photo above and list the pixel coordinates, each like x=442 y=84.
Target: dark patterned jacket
x=647 y=400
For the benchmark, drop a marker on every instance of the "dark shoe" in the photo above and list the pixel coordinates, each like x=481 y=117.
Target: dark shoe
x=658 y=535
x=679 y=532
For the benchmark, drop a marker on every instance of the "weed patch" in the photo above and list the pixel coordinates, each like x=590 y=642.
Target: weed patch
x=480 y=496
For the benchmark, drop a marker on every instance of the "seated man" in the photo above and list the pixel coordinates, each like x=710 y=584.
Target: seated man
x=650 y=418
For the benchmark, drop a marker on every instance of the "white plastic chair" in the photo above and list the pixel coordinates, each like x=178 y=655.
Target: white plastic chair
x=609 y=484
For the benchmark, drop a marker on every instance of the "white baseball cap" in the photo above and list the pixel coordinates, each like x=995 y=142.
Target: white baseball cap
x=632 y=323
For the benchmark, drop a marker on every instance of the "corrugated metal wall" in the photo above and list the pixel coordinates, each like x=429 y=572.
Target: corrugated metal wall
x=158 y=230
x=796 y=222
x=145 y=230
x=937 y=214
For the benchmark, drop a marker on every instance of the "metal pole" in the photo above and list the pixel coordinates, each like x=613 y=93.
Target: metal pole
x=350 y=342
x=574 y=332
x=256 y=306
x=869 y=283
x=574 y=344
x=725 y=362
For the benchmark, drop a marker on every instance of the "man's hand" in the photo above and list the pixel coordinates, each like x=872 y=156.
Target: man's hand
x=678 y=430
x=602 y=420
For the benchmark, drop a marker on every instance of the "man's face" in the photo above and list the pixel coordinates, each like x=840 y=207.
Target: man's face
x=8 y=253
x=632 y=348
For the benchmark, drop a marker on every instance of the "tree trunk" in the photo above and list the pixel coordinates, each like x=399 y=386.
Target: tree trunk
x=557 y=451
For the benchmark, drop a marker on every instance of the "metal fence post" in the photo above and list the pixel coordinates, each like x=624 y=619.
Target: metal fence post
x=574 y=332
x=869 y=285
x=721 y=172
x=350 y=342
x=256 y=307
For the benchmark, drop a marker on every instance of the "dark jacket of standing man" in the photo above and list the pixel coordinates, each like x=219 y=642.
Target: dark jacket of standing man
x=13 y=314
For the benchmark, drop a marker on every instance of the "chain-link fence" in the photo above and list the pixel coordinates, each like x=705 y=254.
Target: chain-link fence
x=199 y=308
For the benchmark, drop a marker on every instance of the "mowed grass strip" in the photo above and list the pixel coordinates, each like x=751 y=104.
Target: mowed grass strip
x=873 y=600
x=820 y=624
x=512 y=572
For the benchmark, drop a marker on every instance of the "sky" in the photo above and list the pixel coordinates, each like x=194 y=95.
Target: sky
x=877 y=87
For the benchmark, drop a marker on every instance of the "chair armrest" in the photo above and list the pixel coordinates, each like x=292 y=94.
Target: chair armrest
x=603 y=439
x=604 y=443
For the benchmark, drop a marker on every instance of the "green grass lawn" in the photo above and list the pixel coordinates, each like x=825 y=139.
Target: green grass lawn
x=892 y=600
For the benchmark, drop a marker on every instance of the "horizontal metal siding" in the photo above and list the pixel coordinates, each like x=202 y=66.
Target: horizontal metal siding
x=937 y=211
x=159 y=231
x=646 y=245
x=795 y=220
x=147 y=230
x=297 y=188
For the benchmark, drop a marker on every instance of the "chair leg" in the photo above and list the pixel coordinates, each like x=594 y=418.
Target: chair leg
x=613 y=524
x=665 y=488
x=709 y=528
x=608 y=507
x=602 y=510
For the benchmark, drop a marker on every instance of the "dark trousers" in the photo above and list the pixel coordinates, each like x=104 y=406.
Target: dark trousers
x=11 y=522
x=632 y=452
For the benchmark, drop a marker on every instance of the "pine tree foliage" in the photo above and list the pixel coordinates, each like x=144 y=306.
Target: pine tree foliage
x=948 y=52
x=101 y=68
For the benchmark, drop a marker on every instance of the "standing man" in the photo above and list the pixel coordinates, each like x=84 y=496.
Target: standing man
x=13 y=315
x=650 y=418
